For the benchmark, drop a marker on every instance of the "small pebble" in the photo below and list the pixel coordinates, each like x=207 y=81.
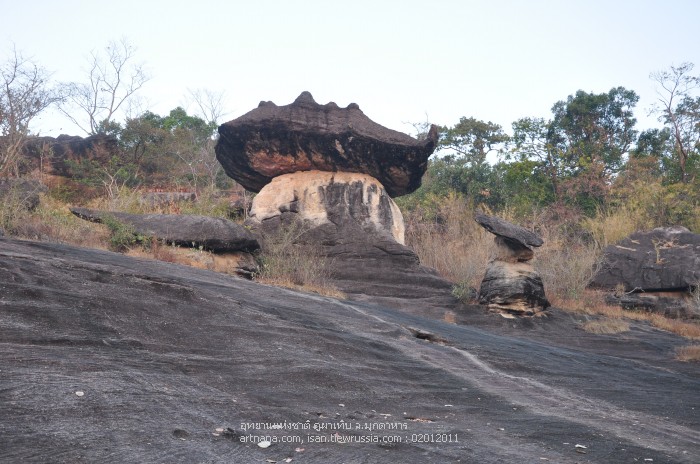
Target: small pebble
x=79 y=393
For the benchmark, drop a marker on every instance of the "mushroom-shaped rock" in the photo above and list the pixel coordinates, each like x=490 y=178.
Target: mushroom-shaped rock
x=511 y=285
x=272 y=140
x=214 y=234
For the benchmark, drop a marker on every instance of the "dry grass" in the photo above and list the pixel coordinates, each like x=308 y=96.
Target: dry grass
x=606 y=326
x=451 y=242
x=287 y=263
x=688 y=353
x=593 y=303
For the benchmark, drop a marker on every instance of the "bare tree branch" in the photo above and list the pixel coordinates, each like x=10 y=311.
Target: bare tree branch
x=24 y=95
x=113 y=81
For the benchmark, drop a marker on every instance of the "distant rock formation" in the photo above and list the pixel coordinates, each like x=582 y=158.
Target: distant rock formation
x=214 y=234
x=55 y=155
x=655 y=270
x=24 y=192
x=511 y=285
x=272 y=140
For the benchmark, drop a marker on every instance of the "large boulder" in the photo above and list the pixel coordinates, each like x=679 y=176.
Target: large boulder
x=511 y=286
x=272 y=140
x=352 y=221
x=664 y=259
x=654 y=270
x=213 y=234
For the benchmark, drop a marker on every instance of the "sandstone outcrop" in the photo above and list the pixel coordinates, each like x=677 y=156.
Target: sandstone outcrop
x=655 y=270
x=55 y=155
x=272 y=140
x=511 y=285
x=354 y=223
x=213 y=234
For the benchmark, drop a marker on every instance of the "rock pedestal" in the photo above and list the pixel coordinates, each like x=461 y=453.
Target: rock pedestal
x=331 y=173
x=511 y=286
x=354 y=223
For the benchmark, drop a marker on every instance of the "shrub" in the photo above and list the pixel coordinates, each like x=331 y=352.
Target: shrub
x=122 y=236
x=287 y=261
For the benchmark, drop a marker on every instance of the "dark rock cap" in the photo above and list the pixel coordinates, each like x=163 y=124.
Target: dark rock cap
x=503 y=228
x=273 y=140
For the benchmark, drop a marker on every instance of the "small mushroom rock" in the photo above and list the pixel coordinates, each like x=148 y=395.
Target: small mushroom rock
x=511 y=286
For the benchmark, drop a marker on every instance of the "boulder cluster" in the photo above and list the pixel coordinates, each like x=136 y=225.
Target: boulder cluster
x=335 y=171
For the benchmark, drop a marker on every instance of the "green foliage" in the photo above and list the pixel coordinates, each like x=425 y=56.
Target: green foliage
x=122 y=236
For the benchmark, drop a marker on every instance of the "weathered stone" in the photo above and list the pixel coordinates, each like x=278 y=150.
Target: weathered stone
x=353 y=223
x=214 y=234
x=513 y=288
x=331 y=198
x=24 y=192
x=654 y=270
x=509 y=231
x=664 y=259
x=511 y=285
x=272 y=140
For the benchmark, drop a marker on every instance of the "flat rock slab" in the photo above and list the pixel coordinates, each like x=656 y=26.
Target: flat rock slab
x=509 y=231
x=214 y=234
x=107 y=358
x=273 y=140
x=663 y=259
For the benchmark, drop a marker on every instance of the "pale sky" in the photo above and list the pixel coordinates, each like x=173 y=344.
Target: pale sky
x=401 y=61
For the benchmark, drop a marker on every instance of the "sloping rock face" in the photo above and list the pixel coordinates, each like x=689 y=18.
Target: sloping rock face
x=356 y=225
x=511 y=285
x=25 y=192
x=654 y=270
x=214 y=234
x=273 y=140
x=112 y=359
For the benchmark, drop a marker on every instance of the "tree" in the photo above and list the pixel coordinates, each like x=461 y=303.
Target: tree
x=472 y=139
x=112 y=82
x=534 y=140
x=24 y=95
x=679 y=109
x=595 y=129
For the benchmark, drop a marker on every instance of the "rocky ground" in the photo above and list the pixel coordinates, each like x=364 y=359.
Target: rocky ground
x=106 y=358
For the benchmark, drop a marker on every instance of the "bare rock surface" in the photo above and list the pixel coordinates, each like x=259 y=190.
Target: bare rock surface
x=107 y=358
x=214 y=234
x=273 y=140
